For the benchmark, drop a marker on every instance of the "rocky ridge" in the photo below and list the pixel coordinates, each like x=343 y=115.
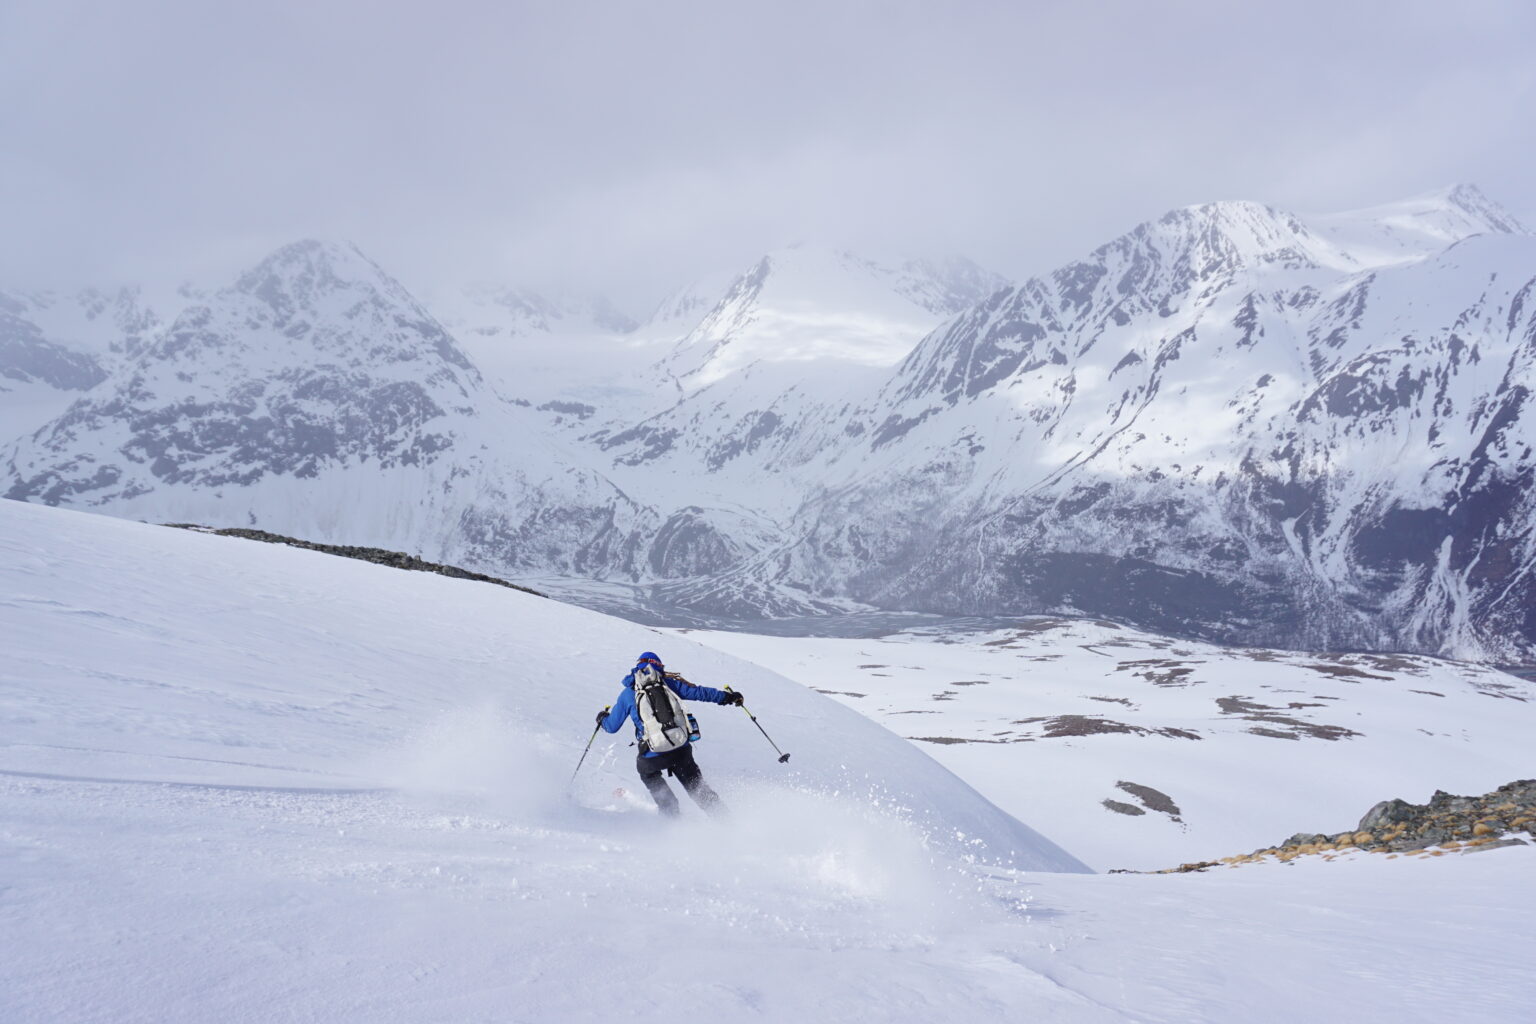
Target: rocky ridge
x=1447 y=823
x=378 y=556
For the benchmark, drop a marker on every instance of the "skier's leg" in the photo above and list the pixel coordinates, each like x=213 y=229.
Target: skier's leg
x=687 y=772
x=650 y=774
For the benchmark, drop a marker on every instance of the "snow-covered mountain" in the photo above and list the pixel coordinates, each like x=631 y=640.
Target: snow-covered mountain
x=1414 y=228
x=315 y=396
x=1224 y=423
x=1235 y=422
x=312 y=359
x=791 y=343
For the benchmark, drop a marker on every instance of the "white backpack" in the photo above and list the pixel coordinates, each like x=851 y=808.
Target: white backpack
x=665 y=723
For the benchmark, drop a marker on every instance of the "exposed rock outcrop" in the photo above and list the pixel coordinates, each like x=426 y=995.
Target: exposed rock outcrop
x=378 y=556
x=1504 y=817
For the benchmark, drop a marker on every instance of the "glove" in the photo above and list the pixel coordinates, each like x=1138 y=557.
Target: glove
x=732 y=697
x=602 y=716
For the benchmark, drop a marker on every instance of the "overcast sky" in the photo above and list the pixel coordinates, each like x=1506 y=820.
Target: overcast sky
x=631 y=146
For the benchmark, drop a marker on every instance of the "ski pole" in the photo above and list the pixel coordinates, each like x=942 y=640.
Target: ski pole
x=783 y=757
x=584 y=753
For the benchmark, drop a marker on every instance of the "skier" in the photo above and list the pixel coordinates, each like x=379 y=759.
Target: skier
x=664 y=731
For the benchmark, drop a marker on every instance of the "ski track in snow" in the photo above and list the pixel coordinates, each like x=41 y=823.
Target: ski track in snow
x=247 y=783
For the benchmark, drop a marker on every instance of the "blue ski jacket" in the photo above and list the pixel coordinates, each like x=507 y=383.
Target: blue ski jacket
x=625 y=707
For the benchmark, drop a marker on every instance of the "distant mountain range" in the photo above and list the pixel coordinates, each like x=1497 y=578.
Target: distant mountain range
x=1231 y=422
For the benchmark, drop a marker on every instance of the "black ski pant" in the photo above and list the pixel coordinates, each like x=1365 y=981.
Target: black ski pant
x=681 y=765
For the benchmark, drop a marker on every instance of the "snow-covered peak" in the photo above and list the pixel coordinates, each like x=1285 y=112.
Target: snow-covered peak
x=1221 y=238
x=805 y=304
x=1414 y=228
x=314 y=301
x=1229 y=234
x=1470 y=200
x=314 y=359
x=309 y=274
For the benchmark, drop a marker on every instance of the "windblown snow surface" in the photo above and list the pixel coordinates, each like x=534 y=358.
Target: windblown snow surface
x=248 y=783
x=1141 y=751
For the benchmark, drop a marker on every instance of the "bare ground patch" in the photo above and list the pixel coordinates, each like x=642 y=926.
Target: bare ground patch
x=1340 y=671
x=1160 y=671
x=1062 y=726
x=1270 y=721
x=947 y=740
x=1152 y=799
x=1096 y=648
x=1504 y=691
x=1034 y=627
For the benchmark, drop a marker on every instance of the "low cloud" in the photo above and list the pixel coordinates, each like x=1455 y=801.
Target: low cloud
x=629 y=148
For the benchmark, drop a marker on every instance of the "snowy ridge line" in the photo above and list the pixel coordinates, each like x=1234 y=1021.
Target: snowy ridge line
x=378 y=556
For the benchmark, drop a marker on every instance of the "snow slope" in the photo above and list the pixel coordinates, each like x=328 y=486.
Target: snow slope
x=1140 y=751
x=233 y=671
x=248 y=783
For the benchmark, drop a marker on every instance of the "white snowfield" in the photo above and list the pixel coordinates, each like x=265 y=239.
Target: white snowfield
x=241 y=782
x=1140 y=751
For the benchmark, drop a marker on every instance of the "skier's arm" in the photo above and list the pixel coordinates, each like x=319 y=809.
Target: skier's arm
x=619 y=713
x=688 y=691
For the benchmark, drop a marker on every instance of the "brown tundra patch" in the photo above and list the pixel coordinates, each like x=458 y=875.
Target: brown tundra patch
x=1270 y=722
x=1062 y=726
